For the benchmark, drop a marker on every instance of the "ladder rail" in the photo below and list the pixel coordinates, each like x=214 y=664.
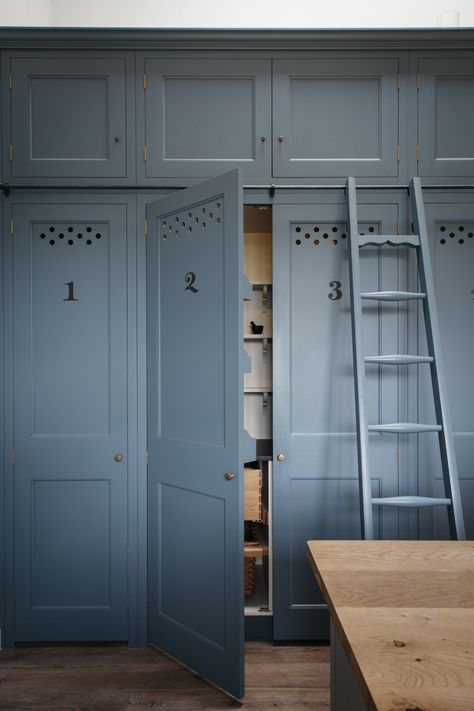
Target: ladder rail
x=442 y=410
x=365 y=493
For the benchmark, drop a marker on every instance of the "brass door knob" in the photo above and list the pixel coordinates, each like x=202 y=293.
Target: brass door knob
x=281 y=457
x=118 y=457
x=229 y=476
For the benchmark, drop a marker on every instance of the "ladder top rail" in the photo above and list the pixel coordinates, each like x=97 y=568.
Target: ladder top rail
x=392 y=240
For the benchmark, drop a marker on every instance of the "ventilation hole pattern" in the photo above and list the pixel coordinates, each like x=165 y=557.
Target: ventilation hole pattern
x=332 y=234
x=456 y=233
x=71 y=234
x=188 y=222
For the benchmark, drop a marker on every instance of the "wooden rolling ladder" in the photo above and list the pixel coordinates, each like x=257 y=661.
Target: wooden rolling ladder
x=442 y=426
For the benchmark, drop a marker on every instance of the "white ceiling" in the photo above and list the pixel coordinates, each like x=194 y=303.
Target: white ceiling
x=245 y=13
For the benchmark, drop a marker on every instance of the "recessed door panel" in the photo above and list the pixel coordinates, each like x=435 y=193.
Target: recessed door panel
x=335 y=117
x=203 y=116
x=445 y=107
x=70 y=438
x=70 y=346
x=71 y=117
x=195 y=421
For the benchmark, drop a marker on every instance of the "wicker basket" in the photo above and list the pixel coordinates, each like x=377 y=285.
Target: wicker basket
x=250 y=569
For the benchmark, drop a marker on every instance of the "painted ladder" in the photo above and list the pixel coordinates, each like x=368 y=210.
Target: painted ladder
x=419 y=241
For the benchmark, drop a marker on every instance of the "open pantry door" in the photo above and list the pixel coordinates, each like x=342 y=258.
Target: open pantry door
x=195 y=429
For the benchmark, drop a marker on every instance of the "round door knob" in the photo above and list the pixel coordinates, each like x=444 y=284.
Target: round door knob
x=229 y=476
x=116 y=139
x=280 y=139
x=263 y=139
x=281 y=457
x=118 y=457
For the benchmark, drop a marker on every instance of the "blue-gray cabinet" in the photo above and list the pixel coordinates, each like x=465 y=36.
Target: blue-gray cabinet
x=450 y=219
x=69 y=117
x=200 y=117
x=72 y=471
x=195 y=429
x=445 y=108
x=336 y=116
x=148 y=111
x=316 y=481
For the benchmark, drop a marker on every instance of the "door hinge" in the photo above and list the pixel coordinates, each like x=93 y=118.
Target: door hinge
x=418 y=153
x=10 y=152
x=398 y=226
x=10 y=82
x=398 y=82
x=145 y=82
x=146 y=227
x=398 y=153
x=145 y=154
x=418 y=81
x=12 y=226
x=146 y=457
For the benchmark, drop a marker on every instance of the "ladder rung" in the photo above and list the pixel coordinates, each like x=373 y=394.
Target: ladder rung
x=411 y=501
x=404 y=428
x=398 y=359
x=393 y=240
x=392 y=295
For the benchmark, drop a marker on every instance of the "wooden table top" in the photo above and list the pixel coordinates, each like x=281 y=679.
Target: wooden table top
x=404 y=611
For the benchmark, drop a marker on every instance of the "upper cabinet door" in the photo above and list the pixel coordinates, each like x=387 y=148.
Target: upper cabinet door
x=336 y=117
x=445 y=112
x=205 y=116
x=71 y=118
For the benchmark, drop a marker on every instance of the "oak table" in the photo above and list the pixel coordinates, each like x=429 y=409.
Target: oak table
x=402 y=623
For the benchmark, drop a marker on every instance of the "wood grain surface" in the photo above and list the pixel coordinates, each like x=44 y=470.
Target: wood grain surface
x=115 y=678
x=405 y=613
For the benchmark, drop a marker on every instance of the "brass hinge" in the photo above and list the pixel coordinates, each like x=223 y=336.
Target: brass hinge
x=418 y=81
x=10 y=152
x=12 y=226
x=398 y=82
x=10 y=82
x=146 y=457
x=145 y=82
x=418 y=153
x=145 y=154
x=398 y=226
x=146 y=226
x=398 y=153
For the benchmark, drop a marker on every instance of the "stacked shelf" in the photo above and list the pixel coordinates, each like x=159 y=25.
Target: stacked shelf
x=258 y=410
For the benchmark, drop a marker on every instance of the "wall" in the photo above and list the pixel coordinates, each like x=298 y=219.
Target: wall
x=246 y=13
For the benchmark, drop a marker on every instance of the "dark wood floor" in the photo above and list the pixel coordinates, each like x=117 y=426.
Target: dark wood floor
x=115 y=678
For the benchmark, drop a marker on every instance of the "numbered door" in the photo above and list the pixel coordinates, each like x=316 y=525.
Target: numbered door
x=316 y=491
x=451 y=231
x=70 y=422
x=195 y=470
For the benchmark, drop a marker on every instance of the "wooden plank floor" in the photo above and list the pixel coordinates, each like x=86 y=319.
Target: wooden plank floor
x=115 y=678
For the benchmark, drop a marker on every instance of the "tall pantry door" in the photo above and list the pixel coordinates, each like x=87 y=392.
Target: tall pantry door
x=195 y=417
x=70 y=421
x=315 y=481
